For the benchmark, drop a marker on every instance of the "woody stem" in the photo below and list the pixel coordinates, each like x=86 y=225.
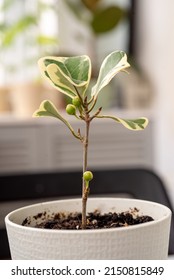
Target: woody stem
x=85 y=189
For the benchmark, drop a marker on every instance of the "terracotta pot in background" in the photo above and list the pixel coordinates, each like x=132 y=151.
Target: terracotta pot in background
x=26 y=98
x=50 y=93
x=4 y=100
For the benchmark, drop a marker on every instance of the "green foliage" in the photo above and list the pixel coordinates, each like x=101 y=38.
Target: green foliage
x=100 y=16
x=7 y=4
x=107 y=19
x=47 y=109
x=134 y=124
x=46 y=40
x=112 y=64
x=67 y=74
x=71 y=76
x=12 y=30
x=20 y=26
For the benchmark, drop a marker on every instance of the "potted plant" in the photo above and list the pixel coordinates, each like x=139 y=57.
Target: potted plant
x=71 y=76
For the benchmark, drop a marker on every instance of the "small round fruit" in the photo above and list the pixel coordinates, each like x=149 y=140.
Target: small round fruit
x=71 y=109
x=88 y=176
x=76 y=101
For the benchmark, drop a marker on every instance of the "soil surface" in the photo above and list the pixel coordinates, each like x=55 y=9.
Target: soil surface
x=95 y=220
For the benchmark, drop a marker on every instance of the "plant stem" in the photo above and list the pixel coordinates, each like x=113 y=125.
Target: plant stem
x=85 y=184
x=85 y=188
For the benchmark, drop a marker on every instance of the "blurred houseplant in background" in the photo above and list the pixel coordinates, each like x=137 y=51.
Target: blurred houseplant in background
x=102 y=20
x=100 y=17
x=109 y=25
x=23 y=34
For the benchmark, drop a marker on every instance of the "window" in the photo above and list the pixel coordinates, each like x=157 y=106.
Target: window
x=29 y=29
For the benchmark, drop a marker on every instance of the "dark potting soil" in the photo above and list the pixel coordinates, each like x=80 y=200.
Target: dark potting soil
x=95 y=220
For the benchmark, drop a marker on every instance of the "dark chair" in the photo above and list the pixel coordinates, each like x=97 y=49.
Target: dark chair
x=136 y=183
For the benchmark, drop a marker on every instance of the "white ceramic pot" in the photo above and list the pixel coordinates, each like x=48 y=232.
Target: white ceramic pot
x=145 y=241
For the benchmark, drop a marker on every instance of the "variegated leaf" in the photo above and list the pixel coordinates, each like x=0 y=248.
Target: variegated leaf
x=132 y=124
x=67 y=74
x=137 y=124
x=47 y=109
x=112 y=64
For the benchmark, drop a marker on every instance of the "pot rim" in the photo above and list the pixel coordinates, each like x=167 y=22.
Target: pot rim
x=88 y=231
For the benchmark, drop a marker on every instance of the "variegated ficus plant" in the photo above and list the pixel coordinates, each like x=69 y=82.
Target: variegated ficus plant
x=71 y=76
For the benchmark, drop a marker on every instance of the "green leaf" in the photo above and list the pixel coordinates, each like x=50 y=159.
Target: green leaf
x=106 y=19
x=137 y=124
x=132 y=124
x=112 y=64
x=16 y=29
x=47 y=109
x=46 y=40
x=6 y=4
x=67 y=74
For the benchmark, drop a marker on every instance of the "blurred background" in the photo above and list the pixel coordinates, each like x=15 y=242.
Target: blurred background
x=30 y=29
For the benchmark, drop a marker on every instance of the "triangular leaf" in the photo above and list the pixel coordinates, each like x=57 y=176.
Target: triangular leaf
x=112 y=64
x=67 y=74
x=47 y=109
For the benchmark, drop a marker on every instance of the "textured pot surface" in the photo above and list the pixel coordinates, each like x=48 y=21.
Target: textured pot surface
x=146 y=241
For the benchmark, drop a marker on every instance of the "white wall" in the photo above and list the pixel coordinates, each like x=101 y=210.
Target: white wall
x=155 y=54
x=74 y=37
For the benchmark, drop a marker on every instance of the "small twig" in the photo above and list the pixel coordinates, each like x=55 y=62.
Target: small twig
x=96 y=114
